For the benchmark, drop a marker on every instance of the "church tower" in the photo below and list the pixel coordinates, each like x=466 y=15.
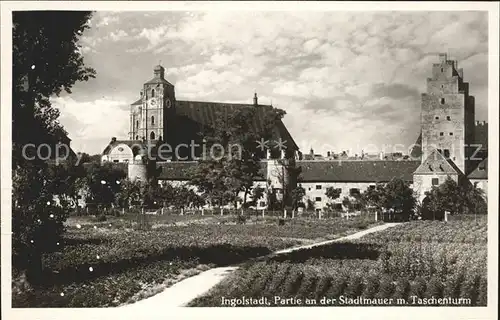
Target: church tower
x=447 y=115
x=152 y=116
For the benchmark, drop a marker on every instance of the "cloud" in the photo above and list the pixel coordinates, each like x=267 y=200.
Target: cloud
x=342 y=77
x=88 y=121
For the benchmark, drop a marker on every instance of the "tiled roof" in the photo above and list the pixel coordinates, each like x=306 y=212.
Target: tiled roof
x=158 y=80
x=180 y=170
x=356 y=170
x=436 y=163
x=481 y=172
x=205 y=113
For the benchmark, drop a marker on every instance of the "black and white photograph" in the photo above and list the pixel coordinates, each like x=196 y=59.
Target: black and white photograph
x=200 y=157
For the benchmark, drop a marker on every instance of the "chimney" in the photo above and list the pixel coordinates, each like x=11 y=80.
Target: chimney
x=255 y=100
x=442 y=57
x=113 y=139
x=477 y=122
x=484 y=122
x=328 y=154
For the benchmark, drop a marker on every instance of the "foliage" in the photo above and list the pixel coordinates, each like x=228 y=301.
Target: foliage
x=46 y=61
x=103 y=184
x=297 y=194
x=456 y=198
x=222 y=174
x=396 y=195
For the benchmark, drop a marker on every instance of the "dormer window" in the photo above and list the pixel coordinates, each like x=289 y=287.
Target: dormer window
x=448 y=118
x=153 y=93
x=437 y=118
x=441 y=100
x=442 y=70
x=451 y=133
x=441 y=133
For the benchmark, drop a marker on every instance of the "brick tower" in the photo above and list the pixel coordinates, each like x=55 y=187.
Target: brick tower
x=447 y=115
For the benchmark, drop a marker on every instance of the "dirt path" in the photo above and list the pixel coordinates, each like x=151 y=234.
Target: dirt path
x=185 y=291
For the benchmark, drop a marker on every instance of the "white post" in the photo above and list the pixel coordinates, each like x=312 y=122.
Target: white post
x=221 y=211
x=293 y=214
x=446 y=216
x=123 y=211
x=161 y=210
x=284 y=213
x=182 y=211
x=262 y=213
x=320 y=215
x=202 y=211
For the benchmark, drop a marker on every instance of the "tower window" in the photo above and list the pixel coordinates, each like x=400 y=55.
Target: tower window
x=442 y=70
x=451 y=133
x=152 y=135
x=441 y=133
x=448 y=118
x=137 y=137
x=435 y=181
x=441 y=100
x=137 y=124
x=437 y=118
x=442 y=86
x=152 y=119
x=318 y=199
x=153 y=93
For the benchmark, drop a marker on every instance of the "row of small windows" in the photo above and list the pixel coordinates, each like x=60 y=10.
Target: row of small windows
x=442 y=134
x=447 y=118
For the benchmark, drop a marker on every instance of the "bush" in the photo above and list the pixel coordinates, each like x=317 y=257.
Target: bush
x=101 y=218
x=241 y=219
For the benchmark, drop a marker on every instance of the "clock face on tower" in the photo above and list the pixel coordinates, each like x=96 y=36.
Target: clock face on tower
x=152 y=102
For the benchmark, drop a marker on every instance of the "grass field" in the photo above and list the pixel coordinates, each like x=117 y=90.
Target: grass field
x=405 y=265
x=110 y=262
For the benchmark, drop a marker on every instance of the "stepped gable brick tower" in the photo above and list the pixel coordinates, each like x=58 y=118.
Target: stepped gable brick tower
x=447 y=122
x=447 y=115
x=152 y=117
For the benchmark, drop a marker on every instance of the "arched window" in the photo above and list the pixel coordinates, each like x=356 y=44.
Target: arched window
x=137 y=137
x=152 y=119
x=152 y=135
x=137 y=124
x=153 y=93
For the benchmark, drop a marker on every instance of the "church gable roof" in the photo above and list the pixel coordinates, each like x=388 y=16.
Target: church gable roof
x=205 y=113
x=481 y=171
x=181 y=170
x=436 y=163
x=356 y=170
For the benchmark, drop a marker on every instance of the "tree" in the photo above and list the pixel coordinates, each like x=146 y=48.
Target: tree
x=332 y=194
x=396 y=195
x=297 y=195
x=222 y=174
x=463 y=198
x=257 y=194
x=103 y=183
x=46 y=61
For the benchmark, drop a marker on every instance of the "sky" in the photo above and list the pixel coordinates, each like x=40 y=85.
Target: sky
x=347 y=80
